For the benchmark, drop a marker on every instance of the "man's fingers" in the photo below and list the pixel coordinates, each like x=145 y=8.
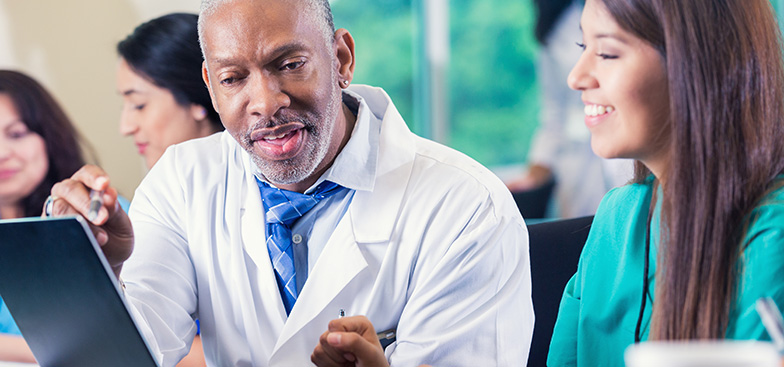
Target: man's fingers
x=93 y=177
x=97 y=181
x=350 y=341
x=100 y=235
x=75 y=192
x=358 y=324
x=326 y=355
x=352 y=344
x=321 y=359
x=71 y=197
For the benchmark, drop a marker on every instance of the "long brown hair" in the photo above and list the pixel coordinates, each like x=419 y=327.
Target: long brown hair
x=44 y=116
x=726 y=125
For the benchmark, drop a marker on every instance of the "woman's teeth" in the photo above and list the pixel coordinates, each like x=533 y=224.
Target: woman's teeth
x=594 y=110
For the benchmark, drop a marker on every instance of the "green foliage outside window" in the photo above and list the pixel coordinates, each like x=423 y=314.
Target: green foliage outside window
x=383 y=31
x=494 y=102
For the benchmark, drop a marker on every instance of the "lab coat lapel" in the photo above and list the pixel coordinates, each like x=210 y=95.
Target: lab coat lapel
x=374 y=213
x=339 y=263
x=253 y=236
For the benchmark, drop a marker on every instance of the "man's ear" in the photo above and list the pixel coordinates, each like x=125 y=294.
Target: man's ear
x=205 y=75
x=344 y=52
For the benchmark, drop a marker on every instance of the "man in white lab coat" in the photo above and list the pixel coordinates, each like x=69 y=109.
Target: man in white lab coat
x=415 y=236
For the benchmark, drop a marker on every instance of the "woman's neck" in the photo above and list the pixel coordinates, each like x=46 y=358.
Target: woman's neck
x=10 y=211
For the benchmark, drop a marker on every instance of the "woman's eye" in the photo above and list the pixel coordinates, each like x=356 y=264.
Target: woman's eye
x=18 y=134
x=607 y=56
x=139 y=107
x=580 y=45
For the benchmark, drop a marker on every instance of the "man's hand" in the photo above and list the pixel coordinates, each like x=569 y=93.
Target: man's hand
x=349 y=341
x=111 y=227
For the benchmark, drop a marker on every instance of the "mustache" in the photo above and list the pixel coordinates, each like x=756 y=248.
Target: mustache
x=283 y=119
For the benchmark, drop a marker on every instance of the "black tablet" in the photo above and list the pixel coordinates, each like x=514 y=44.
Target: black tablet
x=64 y=296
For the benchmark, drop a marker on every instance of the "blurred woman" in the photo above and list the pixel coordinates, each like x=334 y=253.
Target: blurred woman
x=694 y=91
x=39 y=146
x=165 y=100
x=159 y=78
x=561 y=147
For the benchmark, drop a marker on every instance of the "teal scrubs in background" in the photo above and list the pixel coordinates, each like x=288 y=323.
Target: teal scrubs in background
x=7 y=324
x=601 y=303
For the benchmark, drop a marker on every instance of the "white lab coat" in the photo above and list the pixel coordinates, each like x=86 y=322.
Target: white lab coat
x=437 y=249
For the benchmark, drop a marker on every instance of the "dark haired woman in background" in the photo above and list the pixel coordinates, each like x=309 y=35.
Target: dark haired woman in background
x=39 y=146
x=159 y=78
x=692 y=90
x=165 y=100
x=561 y=147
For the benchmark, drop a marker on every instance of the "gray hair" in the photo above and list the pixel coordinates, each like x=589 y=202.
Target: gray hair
x=315 y=9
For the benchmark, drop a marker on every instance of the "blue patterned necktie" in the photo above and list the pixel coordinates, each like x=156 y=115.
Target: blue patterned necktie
x=283 y=208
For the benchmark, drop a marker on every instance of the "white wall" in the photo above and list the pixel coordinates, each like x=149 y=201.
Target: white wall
x=69 y=46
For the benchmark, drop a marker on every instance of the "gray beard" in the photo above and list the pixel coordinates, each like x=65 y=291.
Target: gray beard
x=297 y=169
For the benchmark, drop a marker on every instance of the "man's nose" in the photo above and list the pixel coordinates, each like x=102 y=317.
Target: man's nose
x=266 y=95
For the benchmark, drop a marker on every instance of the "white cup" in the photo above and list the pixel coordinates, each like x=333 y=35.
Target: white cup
x=702 y=354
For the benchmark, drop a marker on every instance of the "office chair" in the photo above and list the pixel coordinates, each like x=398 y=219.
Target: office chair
x=533 y=203
x=555 y=249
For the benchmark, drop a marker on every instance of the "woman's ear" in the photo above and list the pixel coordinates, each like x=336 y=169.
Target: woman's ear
x=198 y=112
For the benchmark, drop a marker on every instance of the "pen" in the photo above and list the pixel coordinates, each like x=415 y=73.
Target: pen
x=96 y=202
x=771 y=318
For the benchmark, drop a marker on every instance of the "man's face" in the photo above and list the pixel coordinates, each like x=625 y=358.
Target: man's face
x=273 y=79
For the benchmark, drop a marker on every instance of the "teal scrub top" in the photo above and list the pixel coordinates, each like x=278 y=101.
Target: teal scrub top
x=600 y=305
x=7 y=324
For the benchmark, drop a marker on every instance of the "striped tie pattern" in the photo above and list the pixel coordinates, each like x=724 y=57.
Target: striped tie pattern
x=282 y=209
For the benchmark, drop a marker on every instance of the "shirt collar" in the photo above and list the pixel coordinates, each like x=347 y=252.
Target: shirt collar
x=355 y=166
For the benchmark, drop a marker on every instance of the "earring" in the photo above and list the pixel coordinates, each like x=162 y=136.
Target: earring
x=344 y=83
x=202 y=113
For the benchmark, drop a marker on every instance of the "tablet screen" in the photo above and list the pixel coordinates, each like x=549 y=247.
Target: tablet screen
x=64 y=297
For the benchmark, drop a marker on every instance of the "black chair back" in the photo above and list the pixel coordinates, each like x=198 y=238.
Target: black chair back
x=555 y=249
x=533 y=203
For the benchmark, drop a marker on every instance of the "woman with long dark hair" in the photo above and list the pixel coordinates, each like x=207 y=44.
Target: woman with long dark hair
x=159 y=77
x=693 y=91
x=43 y=119
x=39 y=146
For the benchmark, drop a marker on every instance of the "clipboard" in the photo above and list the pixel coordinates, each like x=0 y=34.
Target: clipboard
x=64 y=296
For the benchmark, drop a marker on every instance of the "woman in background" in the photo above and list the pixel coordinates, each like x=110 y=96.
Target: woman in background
x=693 y=90
x=39 y=146
x=159 y=77
x=165 y=100
x=561 y=148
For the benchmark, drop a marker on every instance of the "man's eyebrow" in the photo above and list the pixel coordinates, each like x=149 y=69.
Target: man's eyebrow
x=274 y=53
x=288 y=48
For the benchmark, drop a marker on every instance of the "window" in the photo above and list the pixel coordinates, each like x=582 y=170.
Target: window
x=482 y=85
